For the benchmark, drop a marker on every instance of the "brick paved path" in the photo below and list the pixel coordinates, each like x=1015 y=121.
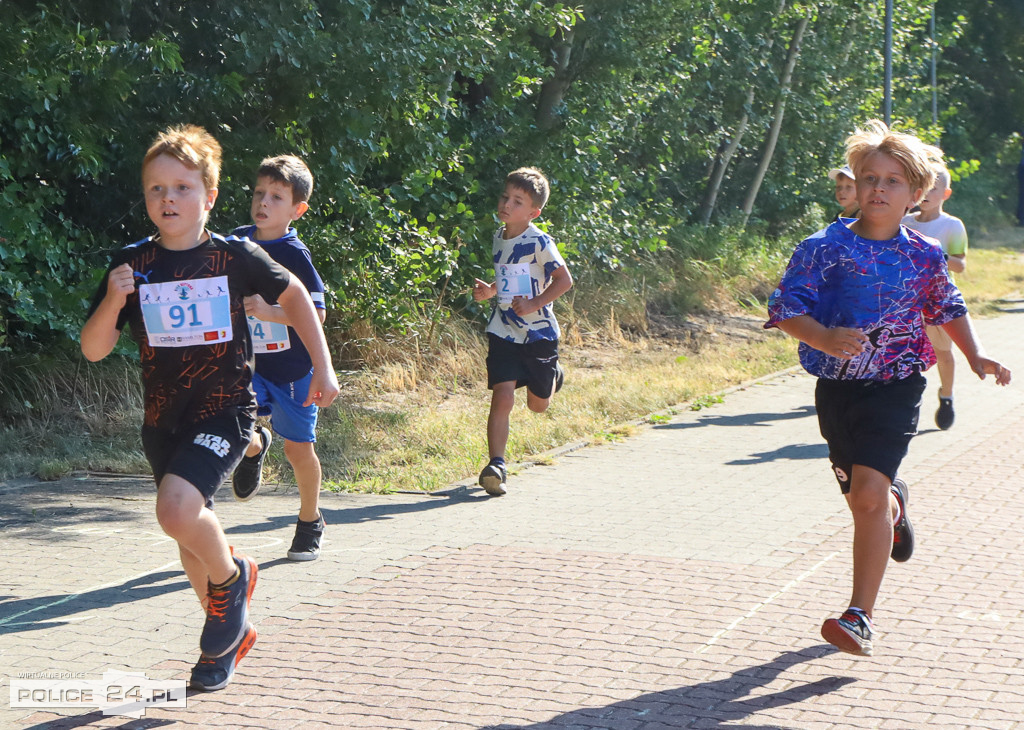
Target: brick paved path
x=676 y=579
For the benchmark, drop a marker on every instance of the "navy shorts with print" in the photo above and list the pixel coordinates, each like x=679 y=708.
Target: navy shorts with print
x=868 y=422
x=532 y=364
x=203 y=454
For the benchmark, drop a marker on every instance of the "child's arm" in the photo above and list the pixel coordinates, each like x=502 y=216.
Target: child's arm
x=841 y=342
x=256 y=306
x=561 y=282
x=299 y=310
x=961 y=331
x=100 y=333
x=482 y=290
x=957 y=262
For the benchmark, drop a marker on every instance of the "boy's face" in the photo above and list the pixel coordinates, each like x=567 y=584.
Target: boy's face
x=883 y=192
x=846 y=191
x=272 y=206
x=516 y=207
x=176 y=198
x=935 y=197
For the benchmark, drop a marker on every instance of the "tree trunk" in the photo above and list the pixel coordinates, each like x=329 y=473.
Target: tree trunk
x=722 y=162
x=779 y=112
x=553 y=90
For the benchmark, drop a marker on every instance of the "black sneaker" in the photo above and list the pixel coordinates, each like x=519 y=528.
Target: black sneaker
x=248 y=476
x=306 y=543
x=559 y=376
x=852 y=632
x=902 y=531
x=227 y=612
x=492 y=479
x=945 y=416
x=210 y=674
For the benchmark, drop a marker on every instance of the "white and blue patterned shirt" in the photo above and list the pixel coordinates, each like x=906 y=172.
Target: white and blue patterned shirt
x=522 y=267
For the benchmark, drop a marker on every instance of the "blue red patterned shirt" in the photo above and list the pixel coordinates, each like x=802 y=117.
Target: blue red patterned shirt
x=886 y=289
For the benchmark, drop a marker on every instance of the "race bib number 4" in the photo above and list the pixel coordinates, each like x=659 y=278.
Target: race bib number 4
x=513 y=281
x=186 y=313
x=268 y=336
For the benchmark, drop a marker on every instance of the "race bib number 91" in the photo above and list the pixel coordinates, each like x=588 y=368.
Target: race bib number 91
x=186 y=313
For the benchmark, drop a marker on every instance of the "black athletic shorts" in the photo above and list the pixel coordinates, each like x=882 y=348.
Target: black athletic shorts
x=532 y=364
x=203 y=454
x=868 y=422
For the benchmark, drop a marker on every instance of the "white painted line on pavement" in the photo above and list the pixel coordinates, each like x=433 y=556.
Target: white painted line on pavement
x=72 y=596
x=803 y=576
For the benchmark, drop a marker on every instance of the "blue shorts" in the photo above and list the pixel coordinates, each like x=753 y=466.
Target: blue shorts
x=283 y=403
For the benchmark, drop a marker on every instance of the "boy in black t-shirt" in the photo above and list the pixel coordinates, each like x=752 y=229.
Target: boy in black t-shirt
x=181 y=293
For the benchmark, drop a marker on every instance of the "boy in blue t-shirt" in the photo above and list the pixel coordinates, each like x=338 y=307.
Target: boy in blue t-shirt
x=522 y=332
x=858 y=295
x=181 y=293
x=283 y=366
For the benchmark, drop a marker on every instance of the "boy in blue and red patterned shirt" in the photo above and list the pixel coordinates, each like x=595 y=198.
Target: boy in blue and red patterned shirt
x=858 y=297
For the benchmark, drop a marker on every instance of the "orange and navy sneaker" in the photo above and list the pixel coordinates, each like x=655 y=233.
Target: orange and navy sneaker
x=227 y=612
x=852 y=632
x=902 y=531
x=210 y=674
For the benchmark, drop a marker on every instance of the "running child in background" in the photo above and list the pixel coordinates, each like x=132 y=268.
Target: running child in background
x=846 y=192
x=522 y=332
x=283 y=366
x=932 y=221
x=857 y=295
x=181 y=293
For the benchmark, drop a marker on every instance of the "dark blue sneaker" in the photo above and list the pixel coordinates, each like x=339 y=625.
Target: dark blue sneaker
x=559 y=376
x=492 y=479
x=227 y=613
x=210 y=674
x=945 y=416
x=248 y=476
x=902 y=531
x=306 y=543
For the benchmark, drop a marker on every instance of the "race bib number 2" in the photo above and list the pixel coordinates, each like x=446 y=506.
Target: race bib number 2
x=513 y=281
x=186 y=313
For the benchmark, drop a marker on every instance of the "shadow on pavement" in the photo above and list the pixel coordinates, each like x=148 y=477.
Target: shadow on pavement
x=67 y=723
x=793 y=452
x=742 y=419
x=722 y=701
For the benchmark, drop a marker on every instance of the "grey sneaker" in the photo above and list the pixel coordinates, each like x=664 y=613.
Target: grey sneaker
x=306 y=543
x=945 y=416
x=248 y=476
x=492 y=479
x=902 y=531
x=852 y=632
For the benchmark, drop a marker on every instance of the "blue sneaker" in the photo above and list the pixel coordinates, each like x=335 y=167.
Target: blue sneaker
x=210 y=674
x=227 y=613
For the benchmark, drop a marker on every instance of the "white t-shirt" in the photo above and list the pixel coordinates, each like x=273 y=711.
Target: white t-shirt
x=946 y=229
x=522 y=267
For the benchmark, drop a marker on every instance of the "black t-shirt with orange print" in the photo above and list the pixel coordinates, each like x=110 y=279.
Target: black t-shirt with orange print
x=188 y=318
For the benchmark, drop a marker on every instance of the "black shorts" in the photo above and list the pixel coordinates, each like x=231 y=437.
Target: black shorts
x=532 y=364
x=203 y=454
x=868 y=422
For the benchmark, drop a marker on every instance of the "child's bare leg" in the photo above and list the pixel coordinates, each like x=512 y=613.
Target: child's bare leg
x=182 y=513
x=503 y=398
x=874 y=509
x=536 y=403
x=308 y=475
x=947 y=367
x=255 y=444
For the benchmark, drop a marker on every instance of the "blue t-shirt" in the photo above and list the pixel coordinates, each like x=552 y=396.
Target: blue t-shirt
x=886 y=289
x=280 y=355
x=522 y=267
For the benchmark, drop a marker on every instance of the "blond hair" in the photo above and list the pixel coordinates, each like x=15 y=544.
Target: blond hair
x=917 y=158
x=193 y=147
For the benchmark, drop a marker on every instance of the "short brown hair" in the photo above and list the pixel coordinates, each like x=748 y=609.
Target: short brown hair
x=917 y=158
x=193 y=147
x=291 y=171
x=531 y=180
